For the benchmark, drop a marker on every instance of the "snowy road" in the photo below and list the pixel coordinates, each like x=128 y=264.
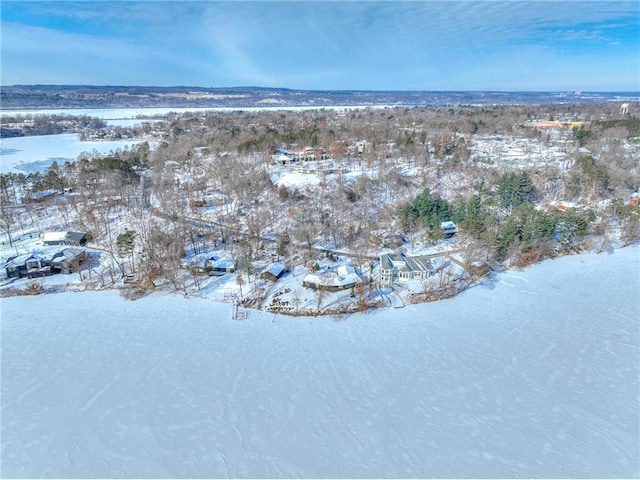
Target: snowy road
x=534 y=375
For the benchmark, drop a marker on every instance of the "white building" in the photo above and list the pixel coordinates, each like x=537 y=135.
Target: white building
x=449 y=228
x=342 y=278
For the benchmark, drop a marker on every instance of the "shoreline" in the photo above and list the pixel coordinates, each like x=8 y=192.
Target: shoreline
x=450 y=292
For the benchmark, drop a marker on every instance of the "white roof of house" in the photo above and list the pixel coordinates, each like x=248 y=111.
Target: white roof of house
x=208 y=259
x=334 y=279
x=344 y=270
x=313 y=278
x=76 y=237
x=350 y=279
x=222 y=262
x=199 y=260
x=447 y=225
x=43 y=194
x=54 y=236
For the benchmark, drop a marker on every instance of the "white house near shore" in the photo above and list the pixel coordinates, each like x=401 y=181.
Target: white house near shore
x=342 y=278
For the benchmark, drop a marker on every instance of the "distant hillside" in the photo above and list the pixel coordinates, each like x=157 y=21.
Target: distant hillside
x=82 y=96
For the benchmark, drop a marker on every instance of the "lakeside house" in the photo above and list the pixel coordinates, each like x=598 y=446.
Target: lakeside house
x=210 y=263
x=400 y=268
x=342 y=278
x=45 y=262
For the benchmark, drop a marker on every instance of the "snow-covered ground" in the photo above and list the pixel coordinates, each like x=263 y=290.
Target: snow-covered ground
x=533 y=374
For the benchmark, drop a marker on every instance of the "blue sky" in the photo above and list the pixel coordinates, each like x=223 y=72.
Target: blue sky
x=394 y=45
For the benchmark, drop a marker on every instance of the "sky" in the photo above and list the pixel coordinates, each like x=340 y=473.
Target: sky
x=551 y=45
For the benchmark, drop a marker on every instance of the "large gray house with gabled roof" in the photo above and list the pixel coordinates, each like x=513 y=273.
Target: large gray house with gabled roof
x=46 y=262
x=400 y=268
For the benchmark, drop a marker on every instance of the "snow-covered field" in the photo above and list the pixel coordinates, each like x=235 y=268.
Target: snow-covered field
x=534 y=374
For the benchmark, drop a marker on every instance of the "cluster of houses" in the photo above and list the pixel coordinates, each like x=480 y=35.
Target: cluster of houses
x=282 y=156
x=61 y=254
x=331 y=279
x=394 y=267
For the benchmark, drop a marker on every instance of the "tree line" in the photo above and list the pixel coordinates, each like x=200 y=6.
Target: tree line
x=226 y=157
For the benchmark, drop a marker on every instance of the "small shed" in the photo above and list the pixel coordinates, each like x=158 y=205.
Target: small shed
x=449 y=228
x=273 y=272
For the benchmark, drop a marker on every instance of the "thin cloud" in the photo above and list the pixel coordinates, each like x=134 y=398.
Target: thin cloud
x=58 y=57
x=322 y=44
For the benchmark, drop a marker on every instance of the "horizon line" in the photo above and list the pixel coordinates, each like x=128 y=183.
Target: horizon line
x=574 y=91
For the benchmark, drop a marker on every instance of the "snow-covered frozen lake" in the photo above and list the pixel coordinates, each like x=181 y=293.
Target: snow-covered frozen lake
x=36 y=153
x=535 y=374
x=114 y=116
x=120 y=117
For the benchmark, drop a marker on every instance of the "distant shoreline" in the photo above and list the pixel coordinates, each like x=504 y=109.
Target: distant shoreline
x=39 y=97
